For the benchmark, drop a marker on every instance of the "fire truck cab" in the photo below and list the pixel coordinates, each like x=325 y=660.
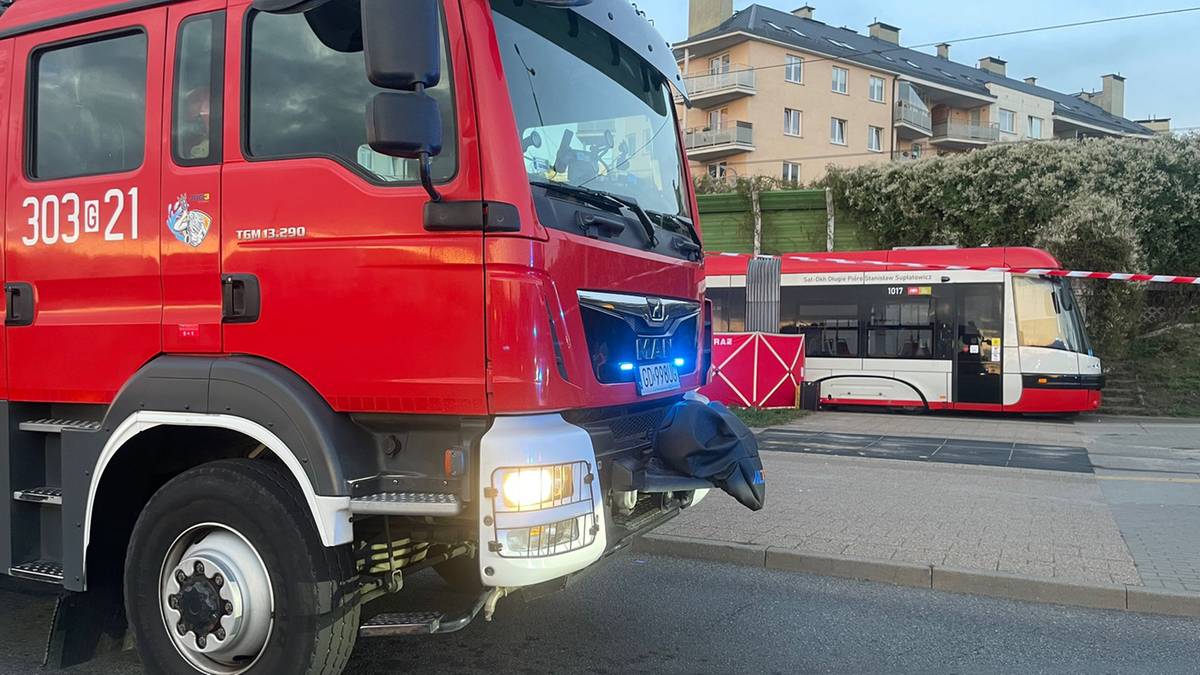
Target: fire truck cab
x=304 y=296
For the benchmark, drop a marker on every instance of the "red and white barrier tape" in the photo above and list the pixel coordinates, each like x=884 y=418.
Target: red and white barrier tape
x=1024 y=271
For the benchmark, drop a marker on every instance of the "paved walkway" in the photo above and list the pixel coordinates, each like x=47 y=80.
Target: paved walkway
x=1038 y=523
x=1135 y=522
x=1149 y=473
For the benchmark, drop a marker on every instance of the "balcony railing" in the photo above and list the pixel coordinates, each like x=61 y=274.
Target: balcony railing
x=914 y=117
x=973 y=133
x=734 y=134
x=698 y=85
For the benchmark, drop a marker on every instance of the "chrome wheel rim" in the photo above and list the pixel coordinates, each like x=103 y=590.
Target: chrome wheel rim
x=216 y=600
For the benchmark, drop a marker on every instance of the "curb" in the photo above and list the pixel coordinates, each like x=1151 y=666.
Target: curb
x=951 y=579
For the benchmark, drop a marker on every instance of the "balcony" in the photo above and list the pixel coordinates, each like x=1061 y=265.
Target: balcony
x=912 y=122
x=719 y=88
x=708 y=144
x=964 y=136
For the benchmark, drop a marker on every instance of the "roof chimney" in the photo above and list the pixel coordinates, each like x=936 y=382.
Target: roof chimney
x=705 y=15
x=944 y=51
x=1031 y=81
x=805 y=12
x=882 y=31
x=1112 y=98
x=994 y=65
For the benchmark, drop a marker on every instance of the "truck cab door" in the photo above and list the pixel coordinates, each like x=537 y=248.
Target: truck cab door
x=191 y=177
x=329 y=268
x=81 y=209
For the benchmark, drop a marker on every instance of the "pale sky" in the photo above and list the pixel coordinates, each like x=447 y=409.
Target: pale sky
x=1159 y=56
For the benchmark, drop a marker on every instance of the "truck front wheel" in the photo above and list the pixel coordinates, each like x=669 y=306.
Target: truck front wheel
x=226 y=574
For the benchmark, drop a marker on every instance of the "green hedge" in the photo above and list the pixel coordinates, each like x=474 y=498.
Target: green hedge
x=1099 y=204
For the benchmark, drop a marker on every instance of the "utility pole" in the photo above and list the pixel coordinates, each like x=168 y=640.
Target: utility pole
x=829 y=224
x=756 y=209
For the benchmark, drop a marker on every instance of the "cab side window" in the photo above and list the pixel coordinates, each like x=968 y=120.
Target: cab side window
x=308 y=93
x=88 y=108
x=199 y=69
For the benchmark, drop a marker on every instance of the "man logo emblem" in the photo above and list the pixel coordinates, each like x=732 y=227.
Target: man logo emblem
x=656 y=311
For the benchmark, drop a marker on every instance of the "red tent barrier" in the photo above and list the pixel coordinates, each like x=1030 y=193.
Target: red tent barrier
x=756 y=370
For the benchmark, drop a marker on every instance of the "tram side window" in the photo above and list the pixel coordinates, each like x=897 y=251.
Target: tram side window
x=729 y=309
x=827 y=320
x=89 y=108
x=308 y=93
x=902 y=328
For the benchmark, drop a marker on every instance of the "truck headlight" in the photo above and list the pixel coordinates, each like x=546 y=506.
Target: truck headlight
x=529 y=488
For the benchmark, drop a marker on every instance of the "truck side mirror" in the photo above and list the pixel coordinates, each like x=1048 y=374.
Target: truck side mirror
x=407 y=124
x=402 y=48
x=404 y=124
x=402 y=43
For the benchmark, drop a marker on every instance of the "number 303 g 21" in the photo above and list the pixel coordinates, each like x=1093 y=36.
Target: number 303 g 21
x=54 y=218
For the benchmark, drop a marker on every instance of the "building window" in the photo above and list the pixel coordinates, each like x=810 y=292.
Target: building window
x=841 y=77
x=89 y=108
x=1008 y=121
x=287 y=121
x=1035 y=127
x=791 y=122
x=876 y=89
x=719 y=65
x=196 y=116
x=793 y=70
x=791 y=172
x=837 y=131
x=916 y=151
x=717 y=171
x=716 y=118
x=875 y=139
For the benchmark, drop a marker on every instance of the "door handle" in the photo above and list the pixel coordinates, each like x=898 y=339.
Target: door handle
x=18 y=304
x=241 y=301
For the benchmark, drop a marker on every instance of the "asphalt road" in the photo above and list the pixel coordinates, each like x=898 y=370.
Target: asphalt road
x=644 y=614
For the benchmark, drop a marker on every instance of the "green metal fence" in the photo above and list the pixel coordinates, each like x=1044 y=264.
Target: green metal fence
x=791 y=220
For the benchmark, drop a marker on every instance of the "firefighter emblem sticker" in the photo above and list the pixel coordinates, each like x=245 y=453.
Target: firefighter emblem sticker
x=189 y=225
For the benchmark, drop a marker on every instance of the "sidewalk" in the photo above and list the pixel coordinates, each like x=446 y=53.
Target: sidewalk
x=1006 y=530
x=1038 y=523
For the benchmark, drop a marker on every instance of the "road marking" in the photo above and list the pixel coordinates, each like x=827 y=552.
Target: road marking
x=1150 y=479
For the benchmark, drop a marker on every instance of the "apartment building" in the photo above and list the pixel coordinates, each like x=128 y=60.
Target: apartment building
x=785 y=95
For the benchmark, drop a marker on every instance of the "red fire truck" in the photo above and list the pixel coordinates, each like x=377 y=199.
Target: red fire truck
x=304 y=296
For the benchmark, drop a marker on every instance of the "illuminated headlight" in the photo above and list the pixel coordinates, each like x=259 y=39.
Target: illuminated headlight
x=542 y=510
x=531 y=488
x=548 y=539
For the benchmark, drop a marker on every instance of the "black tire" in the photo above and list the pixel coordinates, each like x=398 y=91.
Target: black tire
x=316 y=607
x=461 y=574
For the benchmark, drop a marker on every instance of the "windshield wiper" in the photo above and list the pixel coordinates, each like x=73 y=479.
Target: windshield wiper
x=604 y=200
x=686 y=223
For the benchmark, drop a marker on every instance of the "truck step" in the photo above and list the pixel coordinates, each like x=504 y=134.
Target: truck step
x=57 y=425
x=407 y=504
x=39 y=570
x=40 y=495
x=406 y=623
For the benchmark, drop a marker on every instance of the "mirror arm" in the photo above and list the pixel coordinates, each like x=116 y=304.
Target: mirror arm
x=426 y=164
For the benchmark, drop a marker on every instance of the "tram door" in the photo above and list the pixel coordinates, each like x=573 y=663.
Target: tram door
x=978 y=362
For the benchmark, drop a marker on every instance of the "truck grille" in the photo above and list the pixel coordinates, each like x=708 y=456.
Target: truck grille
x=624 y=330
x=622 y=428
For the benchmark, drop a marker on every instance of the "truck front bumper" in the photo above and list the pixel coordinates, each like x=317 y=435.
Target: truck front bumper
x=525 y=544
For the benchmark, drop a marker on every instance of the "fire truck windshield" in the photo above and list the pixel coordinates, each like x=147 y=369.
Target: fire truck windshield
x=591 y=112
